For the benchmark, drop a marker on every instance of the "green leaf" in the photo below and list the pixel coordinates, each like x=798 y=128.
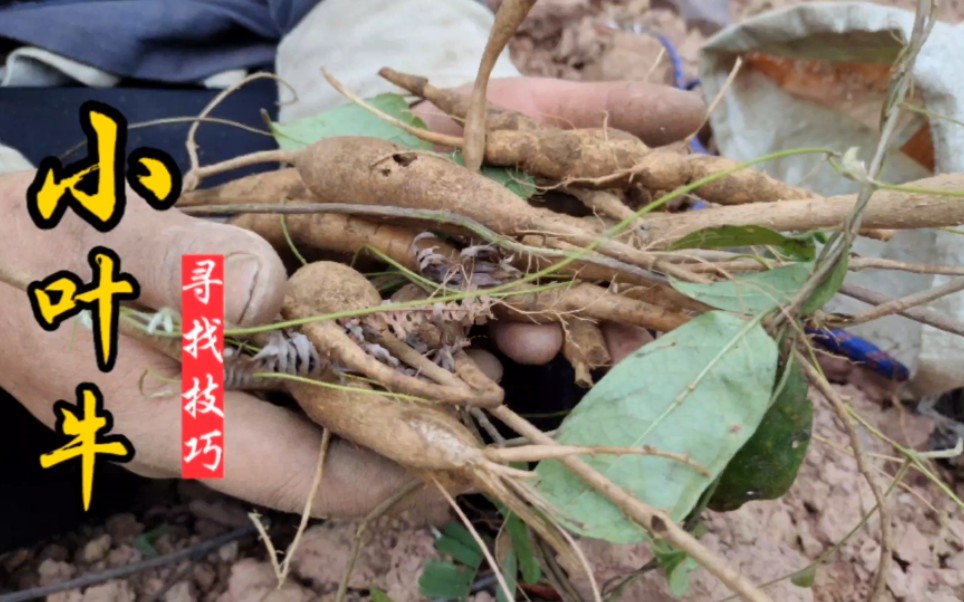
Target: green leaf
x=828 y=288
x=677 y=565
x=509 y=570
x=379 y=596
x=458 y=543
x=457 y=530
x=806 y=577
x=699 y=390
x=765 y=468
x=352 y=120
x=446 y=580
x=518 y=533
x=723 y=237
x=750 y=293
x=515 y=180
x=679 y=577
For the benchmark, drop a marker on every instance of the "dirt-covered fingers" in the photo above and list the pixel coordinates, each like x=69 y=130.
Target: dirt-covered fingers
x=149 y=245
x=623 y=339
x=269 y=452
x=536 y=344
x=527 y=343
x=655 y=113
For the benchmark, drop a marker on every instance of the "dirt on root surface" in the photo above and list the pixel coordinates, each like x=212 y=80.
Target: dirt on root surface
x=765 y=540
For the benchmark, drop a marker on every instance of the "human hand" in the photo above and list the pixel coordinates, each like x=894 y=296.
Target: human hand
x=270 y=453
x=657 y=114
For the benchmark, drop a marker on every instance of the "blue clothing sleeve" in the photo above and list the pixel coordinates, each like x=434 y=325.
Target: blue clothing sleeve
x=167 y=41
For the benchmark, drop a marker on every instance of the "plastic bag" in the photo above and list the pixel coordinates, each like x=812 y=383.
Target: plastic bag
x=815 y=75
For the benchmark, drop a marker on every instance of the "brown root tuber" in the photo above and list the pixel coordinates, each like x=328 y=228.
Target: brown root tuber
x=425 y=439
x=373 y=171
x=332 y=232
x=585 y=348
x=886 y=209
x=266 y=187
x=588 y=301
x=333 y=287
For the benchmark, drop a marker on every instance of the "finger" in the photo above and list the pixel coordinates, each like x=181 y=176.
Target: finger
x=487 y=363
x=657 y=114
x=270 y=453
x=149 y=244
x=527 y=343
x=622 y=340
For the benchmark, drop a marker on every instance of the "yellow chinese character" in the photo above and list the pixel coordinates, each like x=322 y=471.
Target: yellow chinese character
x=88 y=438
x=94 y=186
x=153 y=175
x=60 y=297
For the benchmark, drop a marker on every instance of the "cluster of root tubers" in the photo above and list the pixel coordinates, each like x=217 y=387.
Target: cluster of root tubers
x=473 y=251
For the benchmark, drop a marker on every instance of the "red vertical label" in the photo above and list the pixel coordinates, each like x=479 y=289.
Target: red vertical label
x=202 y=367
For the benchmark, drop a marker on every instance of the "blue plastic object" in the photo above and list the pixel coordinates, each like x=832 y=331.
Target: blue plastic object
x=860 y=351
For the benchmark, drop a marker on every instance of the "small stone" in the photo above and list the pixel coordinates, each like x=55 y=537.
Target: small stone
x=204 y=576
x=67 y=596
x=152 y=585
x=182 y=591
x=96 y=549
x=912 y=545
x=228 y=552
x=122 y=556
x=112 y=591
x=956 y=562
x=54 y=571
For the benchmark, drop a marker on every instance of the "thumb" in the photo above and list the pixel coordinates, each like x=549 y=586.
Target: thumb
x=657 y=114
x=150 y=245
x=151 y=248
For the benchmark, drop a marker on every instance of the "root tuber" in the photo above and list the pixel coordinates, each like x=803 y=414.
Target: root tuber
x=585 y=348
x=267 y=187
x=330 y=287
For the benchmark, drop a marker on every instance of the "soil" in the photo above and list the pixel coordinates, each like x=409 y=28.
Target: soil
x=766 y=540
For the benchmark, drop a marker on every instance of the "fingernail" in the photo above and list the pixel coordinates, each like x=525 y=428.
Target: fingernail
x=240 y=280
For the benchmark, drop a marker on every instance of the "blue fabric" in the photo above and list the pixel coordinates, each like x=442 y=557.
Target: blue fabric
x=40 y=122
x=169 y=41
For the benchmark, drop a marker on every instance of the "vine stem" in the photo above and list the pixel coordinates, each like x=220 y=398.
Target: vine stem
x=510 y=15
x=822 y=385
x=907 y=306
x=656 y=522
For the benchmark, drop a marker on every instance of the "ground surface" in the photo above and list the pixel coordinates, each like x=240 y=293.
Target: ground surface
x=765 y=540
